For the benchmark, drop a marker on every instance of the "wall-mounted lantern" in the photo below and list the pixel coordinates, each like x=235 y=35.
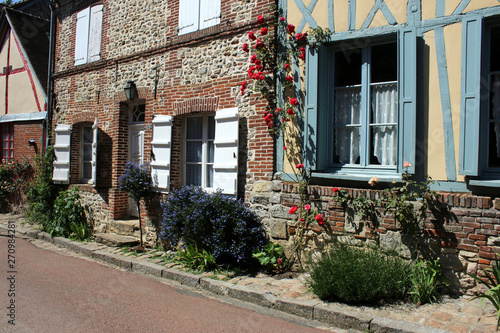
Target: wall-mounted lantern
x=130 y=90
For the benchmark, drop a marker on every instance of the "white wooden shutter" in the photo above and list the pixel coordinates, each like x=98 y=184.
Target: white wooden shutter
x=62 y=152
x=209 y=13
x=95 y=29
x=189 y=11
x=94 y=153
x=82 y=36
x=226 y=151
x=161 y=147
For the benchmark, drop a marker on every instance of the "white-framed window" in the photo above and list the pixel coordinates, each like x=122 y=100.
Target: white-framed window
x=88 y=35
x=198 y=14
x=199 y=135
x=7 y=142
x=86 y=153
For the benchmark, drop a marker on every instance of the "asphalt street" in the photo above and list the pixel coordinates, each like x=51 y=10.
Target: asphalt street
x=52 y=290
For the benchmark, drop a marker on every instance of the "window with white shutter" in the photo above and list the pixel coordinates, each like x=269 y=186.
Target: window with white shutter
x=196 y=15
x=88 y=35
x=62 y=142
x=226 y=151
x=94 y=153
x=161 y=148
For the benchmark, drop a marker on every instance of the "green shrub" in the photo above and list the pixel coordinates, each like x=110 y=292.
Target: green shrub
x=191 y=257
x=222 y=226
x=41 y=191
x=359 y=276
x=13 y=179
x=272 y=258
x=69 y=215
x=427 y=281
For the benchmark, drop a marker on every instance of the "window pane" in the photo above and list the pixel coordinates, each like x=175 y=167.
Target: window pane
x=87 y=170
x=347 y=105
x=138 y=113
x=384 y=64
x=87 y=153
x=210 y=176
x=193 y=174
x=193 y=151
x=494 y=145
x=211 y=128
x=348 y=68
x=384 y=103
x=88 y=135
x=210 y=148
x=347 y=145
x=383 y=145
x=495 y=49
x=194 y=128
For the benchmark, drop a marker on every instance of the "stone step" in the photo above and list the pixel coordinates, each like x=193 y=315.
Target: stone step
x=125 y=227
x=116 y=240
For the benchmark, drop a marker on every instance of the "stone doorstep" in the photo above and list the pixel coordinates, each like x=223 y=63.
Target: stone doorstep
x=116 y=240
x=125 y=227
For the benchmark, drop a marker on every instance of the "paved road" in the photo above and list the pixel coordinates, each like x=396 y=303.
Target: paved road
x=56 y=292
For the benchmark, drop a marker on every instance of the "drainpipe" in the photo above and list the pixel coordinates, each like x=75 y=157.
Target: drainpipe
x=48 y=122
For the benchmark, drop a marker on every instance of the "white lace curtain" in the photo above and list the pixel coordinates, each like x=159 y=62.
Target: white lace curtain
x=383 y=132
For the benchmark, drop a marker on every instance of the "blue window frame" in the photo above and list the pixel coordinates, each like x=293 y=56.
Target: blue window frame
x=360 y=113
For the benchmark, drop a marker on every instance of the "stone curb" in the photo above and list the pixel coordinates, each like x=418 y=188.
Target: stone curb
x=386 y=325
x=312 y=310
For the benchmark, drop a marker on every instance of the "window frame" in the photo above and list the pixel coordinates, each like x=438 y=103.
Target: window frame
x=82 y=153
x=365 y=109
x=9 y=128
x=205 y=154
x=317 y=99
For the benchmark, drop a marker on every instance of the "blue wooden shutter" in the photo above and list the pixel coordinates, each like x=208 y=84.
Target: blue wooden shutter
x=226 y=151
x=62 y=147
x=82 y=36
x=209 y=13
x=161 y=148
x=311 y=108
x=189 y=13
x=468 y=163
x=95 y=31
x=407 y=98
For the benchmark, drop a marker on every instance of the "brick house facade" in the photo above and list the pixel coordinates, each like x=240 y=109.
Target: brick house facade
x=182 y=80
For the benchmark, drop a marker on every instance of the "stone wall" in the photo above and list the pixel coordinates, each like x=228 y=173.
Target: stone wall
x=463 y=233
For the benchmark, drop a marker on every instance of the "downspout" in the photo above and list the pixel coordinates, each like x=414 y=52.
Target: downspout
x=48 y=119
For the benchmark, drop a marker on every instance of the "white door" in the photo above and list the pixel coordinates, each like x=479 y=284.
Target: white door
x=136 y=156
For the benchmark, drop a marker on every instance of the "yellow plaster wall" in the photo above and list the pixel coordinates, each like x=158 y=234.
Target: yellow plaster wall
x=478 y=4
x=21 y=98
x=398 y=9
x=429 y=9
x=379 y=20
x=450 y=6
x=453 y=41
x=432 y=105
x=15 y=58
x=320 y=14
x=340 y=13
x=363 y=8
x=293 y=13
x=3 y=55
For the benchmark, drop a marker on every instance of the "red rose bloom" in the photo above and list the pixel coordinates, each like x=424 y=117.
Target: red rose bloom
x=278 y=110
x=287 y=66
x=291 y=28
x=320 y=219
x=260 y=19
x=292 y=210
x=253 y=58
x=335 y=189
x=293 y=101
x=257 y=62
x=307 y=207
x=251 y=36
x=264 y=31
x=301 y=37
x=282 y=19
x=289 y=78
x=299 y=166
x=290 y=112
x=302 y=54
x=245 y=47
